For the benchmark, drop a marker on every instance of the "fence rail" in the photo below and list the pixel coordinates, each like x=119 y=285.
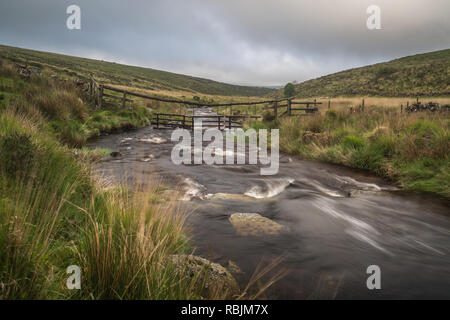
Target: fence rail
x=170 y=120
x=98 y=92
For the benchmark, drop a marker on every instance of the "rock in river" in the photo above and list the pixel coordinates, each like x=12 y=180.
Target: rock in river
x=253 y=224
x=229 y=196
x=212 y=276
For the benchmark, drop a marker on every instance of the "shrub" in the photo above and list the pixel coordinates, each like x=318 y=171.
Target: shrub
x=16 y=153
x=268 y=116
x=423 y=128
x=289 y=90
x=72 y=134
x=352 y=142
x=385 y=72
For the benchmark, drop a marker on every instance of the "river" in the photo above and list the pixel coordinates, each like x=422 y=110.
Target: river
x=341 y=221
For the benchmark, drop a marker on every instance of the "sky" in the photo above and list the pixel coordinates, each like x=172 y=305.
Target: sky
x=249 y=42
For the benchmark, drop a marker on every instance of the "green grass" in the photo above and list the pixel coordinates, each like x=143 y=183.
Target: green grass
x=65 y=109
x=410 y=149
x=425 y=74
x=74 y=67
x=53 y=214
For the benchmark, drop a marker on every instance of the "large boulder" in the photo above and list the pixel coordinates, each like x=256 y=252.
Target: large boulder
x=214 y=278
x=253 y=224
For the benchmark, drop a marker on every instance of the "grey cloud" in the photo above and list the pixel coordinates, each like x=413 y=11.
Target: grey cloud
x=260 y=42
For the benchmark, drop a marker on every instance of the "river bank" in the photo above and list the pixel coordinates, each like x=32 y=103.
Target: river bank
x=411 y=150
x=55 y=214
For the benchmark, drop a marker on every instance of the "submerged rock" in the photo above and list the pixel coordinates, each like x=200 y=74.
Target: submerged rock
x=147 y=158
x=171 y=195
x=285 y=160
x=234 y=268
x=155 y=140
x=229 y=196
x=213 y=277
x=253 y=224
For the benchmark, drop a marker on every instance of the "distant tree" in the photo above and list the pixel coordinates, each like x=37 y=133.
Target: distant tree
x=289 y=90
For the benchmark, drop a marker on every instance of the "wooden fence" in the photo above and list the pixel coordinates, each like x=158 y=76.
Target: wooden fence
x=171 y=120
x=98 y=92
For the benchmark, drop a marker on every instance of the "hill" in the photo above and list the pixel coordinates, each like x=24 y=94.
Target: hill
x=132 y=76
x=425 y=74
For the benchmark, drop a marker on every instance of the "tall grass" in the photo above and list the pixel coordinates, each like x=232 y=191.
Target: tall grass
x=126 y=245
x=32 y=212
x=52 y=215
x=411 y=149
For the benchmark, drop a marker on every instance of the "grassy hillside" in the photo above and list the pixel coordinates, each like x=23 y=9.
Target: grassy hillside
x=114 y=73
x=419 y=75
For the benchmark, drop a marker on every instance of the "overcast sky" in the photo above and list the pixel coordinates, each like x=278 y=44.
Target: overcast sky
x=253 y=42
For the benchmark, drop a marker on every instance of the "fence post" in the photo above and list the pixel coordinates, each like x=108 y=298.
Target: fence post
x=218 y=122
x=157 y=121
x=289 y=107
x=90 y=85
x=401 y=108
x=275 y=109
x=124 y=99
x=362 y=106
x=184 y=121
x=100 y=96
x=329 y=104
x=229 y=123
x=192 y=121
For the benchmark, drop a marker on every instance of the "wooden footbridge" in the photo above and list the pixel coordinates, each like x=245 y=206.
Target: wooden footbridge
x=105 y=94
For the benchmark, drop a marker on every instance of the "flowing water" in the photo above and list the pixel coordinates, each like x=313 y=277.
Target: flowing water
x=340 y=221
